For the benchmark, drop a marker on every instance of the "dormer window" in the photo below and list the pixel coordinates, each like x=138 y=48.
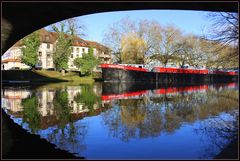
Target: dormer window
x=47 y=38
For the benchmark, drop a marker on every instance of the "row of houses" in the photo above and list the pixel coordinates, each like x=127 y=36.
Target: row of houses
x=12 y=58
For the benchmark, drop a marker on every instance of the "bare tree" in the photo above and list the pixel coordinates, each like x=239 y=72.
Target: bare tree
x=166 y=49
x=148 y=31
x=225 y=34
x=224 y=28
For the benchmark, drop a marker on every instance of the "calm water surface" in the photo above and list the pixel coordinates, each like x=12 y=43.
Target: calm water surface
x=104 y=121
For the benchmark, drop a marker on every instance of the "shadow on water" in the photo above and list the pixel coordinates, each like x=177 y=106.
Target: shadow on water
x=58 y=113
x=17 y=143
x=26 y=75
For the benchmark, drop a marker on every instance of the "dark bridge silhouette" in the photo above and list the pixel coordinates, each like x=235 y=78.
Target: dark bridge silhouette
x=22 y=18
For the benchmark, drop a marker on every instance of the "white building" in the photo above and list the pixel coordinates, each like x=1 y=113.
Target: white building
x=46 y=49
x=12 y=59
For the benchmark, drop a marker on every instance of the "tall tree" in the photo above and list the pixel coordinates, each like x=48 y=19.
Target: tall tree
x=150 y=32
x=66 y=34
x=225 y=34
x=63 y=49
x=225 y=28
x=191 y=51
x=132 y=49
x=30 y=48
x=167 y=48
x=113 y=37
x=146 y=31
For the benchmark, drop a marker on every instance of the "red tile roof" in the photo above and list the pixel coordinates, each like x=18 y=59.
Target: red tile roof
x=10 y=60
x=51 y=37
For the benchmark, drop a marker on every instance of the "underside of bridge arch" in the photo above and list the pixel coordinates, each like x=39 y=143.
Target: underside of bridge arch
x=22 y=18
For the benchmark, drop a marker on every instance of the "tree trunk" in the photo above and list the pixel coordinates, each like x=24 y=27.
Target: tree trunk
x=33 y=69
x=63 y=72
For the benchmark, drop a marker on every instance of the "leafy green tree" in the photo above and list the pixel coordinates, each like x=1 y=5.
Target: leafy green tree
x=63 y=48
x=67 y=32
x=87 y=63
x=29 y=51
x=31 y=114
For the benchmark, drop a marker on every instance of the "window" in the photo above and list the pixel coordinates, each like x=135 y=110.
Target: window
x=77 y=55
x=83 y=50
x=47 y=38
x=48 y=63
x=48 y=45
x=77 y=50
x=39 y=63
x=40 y=53
x=48 y=54
x=71 y=55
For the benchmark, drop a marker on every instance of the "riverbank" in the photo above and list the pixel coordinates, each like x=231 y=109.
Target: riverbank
x=17 y=143
x=42 y=76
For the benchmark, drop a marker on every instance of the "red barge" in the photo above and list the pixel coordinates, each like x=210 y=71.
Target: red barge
x=138 y=73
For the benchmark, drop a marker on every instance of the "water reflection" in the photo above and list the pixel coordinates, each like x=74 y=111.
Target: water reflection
x=85 y=118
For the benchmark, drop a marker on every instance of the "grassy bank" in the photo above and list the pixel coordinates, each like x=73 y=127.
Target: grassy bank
x=43 y=76
x=69 y=76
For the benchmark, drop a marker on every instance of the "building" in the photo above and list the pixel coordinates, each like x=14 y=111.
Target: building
x=11 y=59
x=45 y=53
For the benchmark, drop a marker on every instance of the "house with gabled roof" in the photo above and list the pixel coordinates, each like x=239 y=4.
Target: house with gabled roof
x=46 y=49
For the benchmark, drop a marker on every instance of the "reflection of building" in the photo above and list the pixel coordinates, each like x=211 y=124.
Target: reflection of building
x=45 y=53
x=11 y=99
x=45 y=99
x=76 y=107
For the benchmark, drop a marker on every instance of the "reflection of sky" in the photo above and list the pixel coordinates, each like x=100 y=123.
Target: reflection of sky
x=184 y=143
x=94 y=139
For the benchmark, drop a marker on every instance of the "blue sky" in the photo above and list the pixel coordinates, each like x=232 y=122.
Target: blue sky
x=188 y=21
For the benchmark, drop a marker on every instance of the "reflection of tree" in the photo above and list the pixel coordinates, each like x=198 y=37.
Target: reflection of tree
x=220 y=131
x=67 y=133
x=31 y=114
x=153 y=123
x=137 y=118
x=62 y=108
x=133 y=119
x=133 y=112
x=88 y=98
x=112 y=118
x=173 y=121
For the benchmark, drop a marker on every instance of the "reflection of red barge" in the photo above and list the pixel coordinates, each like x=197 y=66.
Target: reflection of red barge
x=124 y=73
x=162 y=91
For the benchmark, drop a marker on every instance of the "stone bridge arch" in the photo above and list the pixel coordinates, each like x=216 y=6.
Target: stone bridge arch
x=22 y=18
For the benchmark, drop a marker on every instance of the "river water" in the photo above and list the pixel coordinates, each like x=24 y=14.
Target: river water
x=116 y=121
